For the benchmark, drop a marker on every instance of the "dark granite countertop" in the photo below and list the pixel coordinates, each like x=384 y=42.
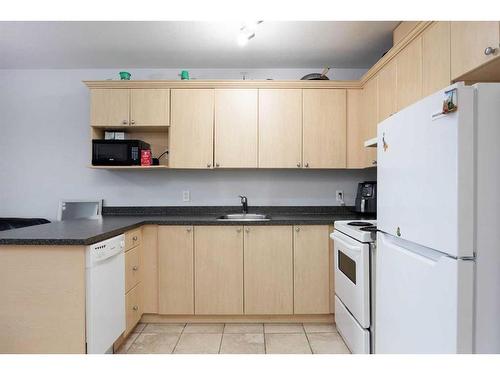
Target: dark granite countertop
x=117 y=220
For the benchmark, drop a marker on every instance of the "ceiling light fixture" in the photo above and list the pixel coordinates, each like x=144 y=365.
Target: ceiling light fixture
x=247 y=32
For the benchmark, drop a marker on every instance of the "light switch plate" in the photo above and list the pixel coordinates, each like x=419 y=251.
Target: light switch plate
x=186 y=196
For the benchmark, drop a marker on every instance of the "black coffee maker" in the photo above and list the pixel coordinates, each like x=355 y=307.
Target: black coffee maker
x=366 y=198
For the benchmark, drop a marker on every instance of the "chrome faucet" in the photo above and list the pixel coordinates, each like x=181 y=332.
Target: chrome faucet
x=244 y=204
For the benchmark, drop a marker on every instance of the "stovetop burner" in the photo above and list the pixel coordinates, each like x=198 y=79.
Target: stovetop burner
x=359 y=224
x=371 y=228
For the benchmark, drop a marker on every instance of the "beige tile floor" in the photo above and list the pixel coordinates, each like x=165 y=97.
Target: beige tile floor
x=234 y=339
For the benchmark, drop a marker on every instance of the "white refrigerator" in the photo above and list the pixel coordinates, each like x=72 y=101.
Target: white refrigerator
x=438 y=249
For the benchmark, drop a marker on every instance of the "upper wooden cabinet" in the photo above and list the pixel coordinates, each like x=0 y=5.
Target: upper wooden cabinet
x=280 y=128
x=435 y=58
x=218 y=264
x=311 y=259
x=370 y=120
x=191 y=130
x=387 y=90
x=356 y=152
x=109 y=107
x=129 y=107
x=409 y=74
x=149 y=107
x=236 y=128
x=175 y=270
x=324 y=128
x=268 y=270
x=469 y=41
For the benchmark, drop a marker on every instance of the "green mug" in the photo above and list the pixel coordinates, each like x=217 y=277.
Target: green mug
x=125 y=76
x=184 y=75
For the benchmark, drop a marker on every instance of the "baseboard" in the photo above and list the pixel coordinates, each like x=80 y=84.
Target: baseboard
x=316 y=318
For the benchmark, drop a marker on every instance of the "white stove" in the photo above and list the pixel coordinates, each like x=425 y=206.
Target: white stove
x=354 y=264
x=360 y=230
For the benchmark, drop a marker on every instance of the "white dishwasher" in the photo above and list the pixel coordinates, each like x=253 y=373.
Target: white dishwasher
x=105 y=294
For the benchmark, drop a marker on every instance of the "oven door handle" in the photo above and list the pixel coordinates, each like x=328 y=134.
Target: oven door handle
x=354 y=249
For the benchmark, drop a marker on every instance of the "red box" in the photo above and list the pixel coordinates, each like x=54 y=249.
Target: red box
x=146 y=158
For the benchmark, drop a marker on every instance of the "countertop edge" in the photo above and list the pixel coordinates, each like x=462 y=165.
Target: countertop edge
x=162 y=221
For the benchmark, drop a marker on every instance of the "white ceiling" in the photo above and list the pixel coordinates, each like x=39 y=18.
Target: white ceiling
x=192 y=44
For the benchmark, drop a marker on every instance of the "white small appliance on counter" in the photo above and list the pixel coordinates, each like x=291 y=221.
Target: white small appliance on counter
x=354 y=249
x=105 y=295
x=438 y=211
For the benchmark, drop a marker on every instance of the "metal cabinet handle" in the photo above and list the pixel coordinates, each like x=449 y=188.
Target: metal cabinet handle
x=188 y=229
x=135 y=308
x=297 y=229
x=132 y=122
x=307 y=165
x=217 y=165
x=209 y=165
x=374 y=162
x=124 y=122
x=135 y=268
x=298 y=164
x=238 y=230
x=247 y=230
x=134 y=238
x=490 y=50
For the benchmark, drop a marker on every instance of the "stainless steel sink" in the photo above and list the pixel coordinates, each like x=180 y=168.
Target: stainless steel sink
x=244 y=217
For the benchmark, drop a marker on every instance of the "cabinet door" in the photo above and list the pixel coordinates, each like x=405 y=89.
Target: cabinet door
x=409 y=74
x=370 y=119
x=218 y=259
x=149 y=107
x=133 y=306
x=236 y=128
x=311 y=256
x=149 y=263
x=280 y=128
x=132 y=268
x=387 y=88
x=355 y=130
x=468 y=43
x=435 y=58
x=268 y=266
x=175 y=270
x=109 y=107
x=324 y=128
x=191 y=130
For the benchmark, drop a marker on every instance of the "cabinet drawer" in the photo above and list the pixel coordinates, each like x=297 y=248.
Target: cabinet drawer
x=132 y=268
x=133 y=238
x=133 y=308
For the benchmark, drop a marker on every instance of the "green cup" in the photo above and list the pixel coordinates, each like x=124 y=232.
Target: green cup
x=184 y=75
x=125 y=76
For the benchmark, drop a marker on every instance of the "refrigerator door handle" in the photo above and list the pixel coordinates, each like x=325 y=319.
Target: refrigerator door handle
x=421 y=253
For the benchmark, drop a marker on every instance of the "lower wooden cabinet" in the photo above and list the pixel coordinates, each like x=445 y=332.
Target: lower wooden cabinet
x=218 y=264
x=243 y=270
x=311 y=260
x=133 y=308
x=149 y=264
x=175 y=270
x=268 y=270
x=132 y=268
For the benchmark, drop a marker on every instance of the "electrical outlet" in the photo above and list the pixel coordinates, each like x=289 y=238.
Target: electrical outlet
x=186 y=196
x=339 y=195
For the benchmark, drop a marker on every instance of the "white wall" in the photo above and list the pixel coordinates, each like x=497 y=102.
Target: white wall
x=45 y=150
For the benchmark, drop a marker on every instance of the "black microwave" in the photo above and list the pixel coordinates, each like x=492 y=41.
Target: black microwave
x=117 y=152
